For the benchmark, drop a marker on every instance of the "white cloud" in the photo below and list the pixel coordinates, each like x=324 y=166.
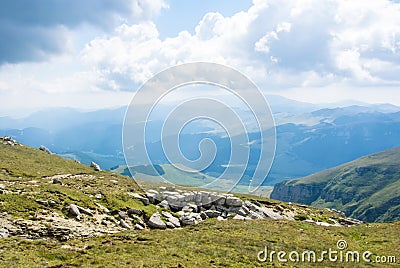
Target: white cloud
x=283 y=45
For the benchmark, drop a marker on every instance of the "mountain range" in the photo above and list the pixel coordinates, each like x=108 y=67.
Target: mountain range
x=310 y=137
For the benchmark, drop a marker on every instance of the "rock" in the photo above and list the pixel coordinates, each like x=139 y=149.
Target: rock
x=74 y=211
x=4 y=233
x=212 y=213
x=57 y=181
x=138 y=220
x=170 y=225
x=188 y=220
x=144 y=200
x=155 y=221
x=44 y=149
x=134 y=211
x=268 y=212
x=43 y=202
x=220 y=218
x=98 y=196
x=95 y=166
x=103 y=208
x=85 y=211
x=122 y=215
x=175 y=221
x=123 y=224
x=239 y=217
x=164 y=204
x=203 y=215
x=232 y=201
x=138 y=227
x=52 y=203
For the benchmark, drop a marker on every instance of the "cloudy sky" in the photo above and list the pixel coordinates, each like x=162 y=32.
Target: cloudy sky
x=95 y=53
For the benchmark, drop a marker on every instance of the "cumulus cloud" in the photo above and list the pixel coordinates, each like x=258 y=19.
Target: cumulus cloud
x=280 y=43
x=30 y=30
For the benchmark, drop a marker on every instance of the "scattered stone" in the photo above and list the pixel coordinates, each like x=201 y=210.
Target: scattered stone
x=52 y=203
x=138 y=227
x=188 y=220
x=45 y=149
x=134 y=211
x=98 y=196
x=138 y=220
x=4 y=233
x=155 y=221
x=43 y=202
x=103 y=208
x=144 y=200
x=123 y=224
x=233 y=201
x=57 y=181
x=174 y=220
x=122 y=215
x=170 y=225
x=164 y=204
x=212 y=213
x=220 y=218
x=73 y=209
x=203 y=215
x=85 y=211
x=95 y=166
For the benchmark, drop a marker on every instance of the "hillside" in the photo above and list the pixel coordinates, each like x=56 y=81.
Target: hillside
x=367 y=188
x=56 y=212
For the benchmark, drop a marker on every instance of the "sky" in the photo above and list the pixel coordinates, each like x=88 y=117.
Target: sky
x=95 y=54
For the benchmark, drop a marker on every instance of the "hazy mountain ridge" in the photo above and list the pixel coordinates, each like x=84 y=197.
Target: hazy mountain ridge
x=305 y=133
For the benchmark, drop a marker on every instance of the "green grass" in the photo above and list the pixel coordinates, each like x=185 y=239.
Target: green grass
x=23 y=172
x=209 y=244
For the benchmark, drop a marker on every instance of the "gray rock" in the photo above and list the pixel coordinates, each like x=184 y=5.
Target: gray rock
x=135 y=211
x=144 y=200
x=57 y=181
x=188 y=220
x=103 y=208
x=138 y=227
x=232 y=201
x=98 y=196
x=170 y=225
x=85 y=211
x=155 y=221
x=164 y=204
x=268 y=212
x=212 y=213
x=4 y=233
x=123 y=224
x=203 y=215
x=239 y=217
x=44 y=149
x=174 y=220
x=43 y=202
x=138 y=220
x=122 y=215
x=95 y=166
x=220 y=218
x=74 y=211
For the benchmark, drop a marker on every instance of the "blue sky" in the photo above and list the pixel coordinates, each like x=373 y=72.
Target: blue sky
x=94 y=54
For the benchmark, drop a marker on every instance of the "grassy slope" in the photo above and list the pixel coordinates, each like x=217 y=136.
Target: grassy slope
x=209 y=244
x=364 y=188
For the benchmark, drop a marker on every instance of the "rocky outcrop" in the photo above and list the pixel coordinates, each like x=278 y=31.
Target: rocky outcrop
x=288 y=191
x=95 y=166
x=45 y=149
